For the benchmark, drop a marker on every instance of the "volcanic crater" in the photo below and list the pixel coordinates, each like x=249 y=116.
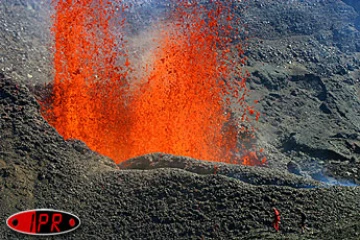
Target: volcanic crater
x=302 y=73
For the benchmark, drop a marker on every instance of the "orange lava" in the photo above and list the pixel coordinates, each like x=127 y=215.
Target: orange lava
x=89 y=81
x=183 y=104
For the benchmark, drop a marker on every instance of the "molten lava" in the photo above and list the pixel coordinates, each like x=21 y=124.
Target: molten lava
x=181 y=106
x=89 y=84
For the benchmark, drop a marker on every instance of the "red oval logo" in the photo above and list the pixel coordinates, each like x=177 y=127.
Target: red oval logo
x=43 y=222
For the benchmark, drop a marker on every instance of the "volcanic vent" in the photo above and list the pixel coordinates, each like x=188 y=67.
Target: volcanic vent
x=188 y=99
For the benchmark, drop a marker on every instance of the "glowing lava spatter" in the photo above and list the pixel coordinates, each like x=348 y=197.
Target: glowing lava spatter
x=89 y=84
x=181 y=106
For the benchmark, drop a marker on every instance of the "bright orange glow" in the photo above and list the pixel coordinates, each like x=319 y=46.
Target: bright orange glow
x=182 y=105
x=88 y=102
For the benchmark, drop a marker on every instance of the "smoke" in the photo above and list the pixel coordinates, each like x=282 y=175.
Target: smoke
x=331 y=181
x=142 y=41
x=131 y=80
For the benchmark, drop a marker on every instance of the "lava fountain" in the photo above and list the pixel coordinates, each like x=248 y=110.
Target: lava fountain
x=182 y=103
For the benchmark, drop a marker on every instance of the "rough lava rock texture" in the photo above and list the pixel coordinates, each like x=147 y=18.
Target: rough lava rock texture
x=304 y=66
x=356 y=5
x=303 y=57
x=25 y=46
x=156 y=196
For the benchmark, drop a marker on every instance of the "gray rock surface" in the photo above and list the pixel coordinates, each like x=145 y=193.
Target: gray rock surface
x=25 y=46
x=303 y=56
x=156 y=196
x=304 y=65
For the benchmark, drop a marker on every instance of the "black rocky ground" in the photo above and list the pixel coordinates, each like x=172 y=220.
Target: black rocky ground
x=304 y=65
x=25 y=40
x=156 y=196
x=304 y=60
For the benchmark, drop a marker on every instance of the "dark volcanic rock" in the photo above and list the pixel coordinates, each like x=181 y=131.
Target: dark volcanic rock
x=162 y=197
x=251 y=175
x=25 y=40
x=356 y=5
x=305 y=72
x=304 y=60
x=294 y=168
